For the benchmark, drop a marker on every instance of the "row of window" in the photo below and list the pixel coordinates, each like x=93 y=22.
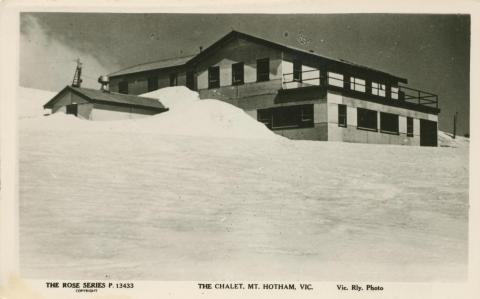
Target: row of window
x=263 y=73
x=152 y=82
x=288 y=117
x=360 y=85
x=367 y=120
x=301 y=116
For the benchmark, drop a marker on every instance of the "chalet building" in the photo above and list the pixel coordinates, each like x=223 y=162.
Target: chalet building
x=296 y=93
x=94 y=104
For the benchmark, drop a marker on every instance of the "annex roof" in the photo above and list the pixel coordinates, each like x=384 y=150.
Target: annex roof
x=150 y=66
x=94 y=95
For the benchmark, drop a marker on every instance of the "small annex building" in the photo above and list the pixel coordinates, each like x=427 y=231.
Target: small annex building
x=91 y=104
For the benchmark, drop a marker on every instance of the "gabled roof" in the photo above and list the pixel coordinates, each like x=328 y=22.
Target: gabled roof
x=93 y=95
x=236 y=34
x=191 y=60
x=155 y=65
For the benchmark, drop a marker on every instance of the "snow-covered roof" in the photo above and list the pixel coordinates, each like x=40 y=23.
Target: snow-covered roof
x=161 y=64
x=110 y=97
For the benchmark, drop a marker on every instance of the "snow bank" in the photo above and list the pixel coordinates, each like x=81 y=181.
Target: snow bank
x=188 y=116
x=174 y=97
x=446 y=140
x=31 y=101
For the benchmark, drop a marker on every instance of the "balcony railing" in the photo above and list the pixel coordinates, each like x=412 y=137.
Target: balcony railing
x=336 y=81
x=301 y=79
x=419 y=97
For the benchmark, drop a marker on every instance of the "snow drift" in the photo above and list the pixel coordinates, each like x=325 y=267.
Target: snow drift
x=135 y=200
x=30 y=102
x=447 y=140
x=188 y=116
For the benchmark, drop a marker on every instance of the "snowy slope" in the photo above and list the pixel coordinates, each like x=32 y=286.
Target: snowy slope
x=31 y=101
x=446 y=140
x=101 y=199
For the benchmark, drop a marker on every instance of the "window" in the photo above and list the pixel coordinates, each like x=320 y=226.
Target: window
x=152 y=83
x=335 y=79
x=265 y=116
x=72 y=109
x=123 y=87
x=213 y=77
x=173 y=79
x=357 y=84
x=388 y=123
x=287 y=117
x=342 y=115
x=395 y=92
x=190 y=80
x=367 y=119
x=263 y=69
x=297 y=70
x=409 y=127
x=237 y=73
x=307 y=114
x=378 y=89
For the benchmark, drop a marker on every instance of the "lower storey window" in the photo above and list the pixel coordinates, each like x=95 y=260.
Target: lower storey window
x=388 y=123
x=214 y=77
x=173 y=79
x=342 y=115
x=367 y=119
x=123 y=87
x=72 y=109
x=409 y=127
x=152 y=84
x=300 y=116
x=190 y=80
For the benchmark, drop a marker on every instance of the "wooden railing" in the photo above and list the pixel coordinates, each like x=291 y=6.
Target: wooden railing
x=401 y=93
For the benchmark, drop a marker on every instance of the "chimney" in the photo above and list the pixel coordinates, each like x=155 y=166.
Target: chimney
x=201 y=48
x=103 y=80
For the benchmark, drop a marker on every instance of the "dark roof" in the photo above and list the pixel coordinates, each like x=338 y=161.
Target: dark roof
x=94 y=95
x=236 y=34
x=155 y=65
x=179 y=61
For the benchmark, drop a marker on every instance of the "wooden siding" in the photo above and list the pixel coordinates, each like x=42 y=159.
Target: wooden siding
x=239 y=50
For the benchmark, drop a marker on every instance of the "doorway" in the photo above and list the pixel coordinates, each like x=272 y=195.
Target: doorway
x=428 y=133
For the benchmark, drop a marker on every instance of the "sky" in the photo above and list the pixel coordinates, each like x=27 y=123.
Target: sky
x=431 y=51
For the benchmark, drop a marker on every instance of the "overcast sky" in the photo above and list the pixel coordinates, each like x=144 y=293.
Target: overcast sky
x=431 y=51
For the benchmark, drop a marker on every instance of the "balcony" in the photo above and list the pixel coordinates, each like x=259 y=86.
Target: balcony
x=401 y=96
x=301 y=79
x=418 y=97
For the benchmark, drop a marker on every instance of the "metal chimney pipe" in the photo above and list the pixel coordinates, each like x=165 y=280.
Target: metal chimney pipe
x=104 y=82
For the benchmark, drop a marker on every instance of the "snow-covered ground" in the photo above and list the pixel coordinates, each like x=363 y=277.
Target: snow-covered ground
x=153 y=199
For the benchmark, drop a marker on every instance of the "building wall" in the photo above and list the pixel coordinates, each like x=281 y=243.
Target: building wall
x=352 y=134
x=96 y=111
x=138 y=82
x=239 y=50
x=318 y=132
x=310 y=73
x=111 y=112
x=247 y=96
x=84 y=107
